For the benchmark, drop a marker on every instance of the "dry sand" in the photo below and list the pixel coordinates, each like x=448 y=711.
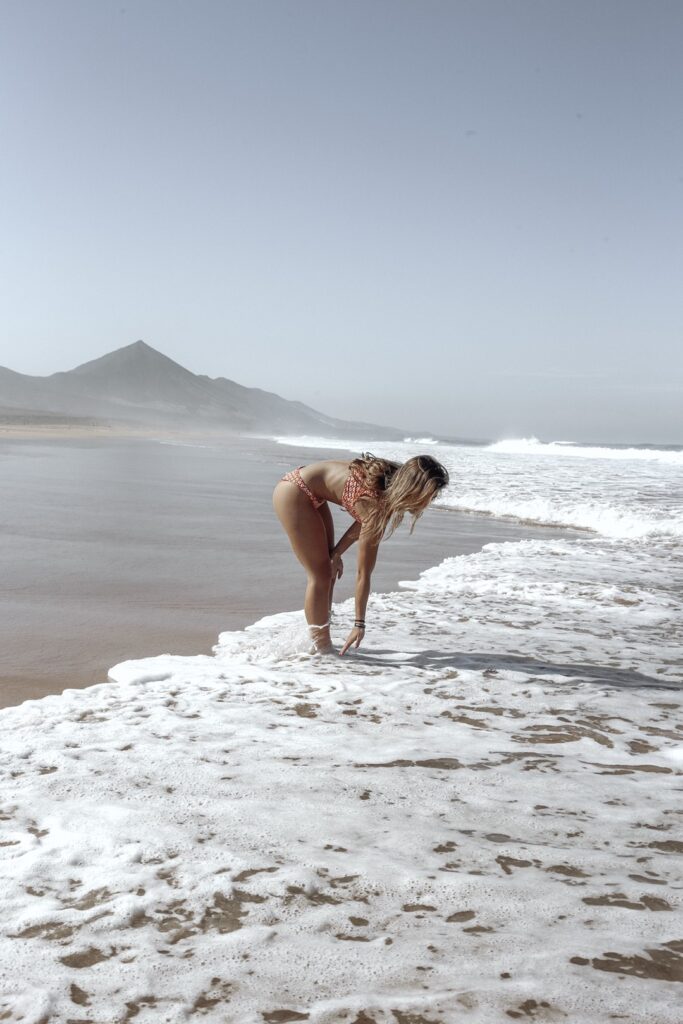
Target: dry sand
x=48 y=427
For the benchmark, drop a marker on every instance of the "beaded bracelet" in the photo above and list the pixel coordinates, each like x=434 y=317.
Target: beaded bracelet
x=359 y=623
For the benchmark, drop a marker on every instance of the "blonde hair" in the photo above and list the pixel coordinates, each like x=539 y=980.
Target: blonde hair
x=400 y=488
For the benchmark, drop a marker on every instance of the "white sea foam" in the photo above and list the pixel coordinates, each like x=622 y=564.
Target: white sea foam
x=316 y=443
x=598 y=516
x=474 y=811
x=475 y=817
x=572 y=449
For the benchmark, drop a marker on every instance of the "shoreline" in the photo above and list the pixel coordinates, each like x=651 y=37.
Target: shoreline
x=63 y=430
x=20 y=688
x=131 y=597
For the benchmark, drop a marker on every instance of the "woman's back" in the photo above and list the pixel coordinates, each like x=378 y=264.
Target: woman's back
x=327 y=479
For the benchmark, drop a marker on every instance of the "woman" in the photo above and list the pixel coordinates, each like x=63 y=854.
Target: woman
x=376 y=493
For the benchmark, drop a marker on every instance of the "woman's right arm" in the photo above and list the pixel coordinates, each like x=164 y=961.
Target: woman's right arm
x=342 y=545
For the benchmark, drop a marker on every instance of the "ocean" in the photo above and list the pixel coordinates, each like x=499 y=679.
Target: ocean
x=474 y=817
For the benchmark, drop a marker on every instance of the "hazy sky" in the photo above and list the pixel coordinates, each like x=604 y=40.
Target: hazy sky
x=456 y=216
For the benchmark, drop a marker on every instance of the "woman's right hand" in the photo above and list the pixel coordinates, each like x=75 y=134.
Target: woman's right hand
x=353 y=639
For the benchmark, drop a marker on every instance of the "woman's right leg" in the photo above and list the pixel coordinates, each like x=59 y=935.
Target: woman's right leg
x=307 y=534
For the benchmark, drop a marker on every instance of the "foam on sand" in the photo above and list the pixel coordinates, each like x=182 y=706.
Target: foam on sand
x=476 y=818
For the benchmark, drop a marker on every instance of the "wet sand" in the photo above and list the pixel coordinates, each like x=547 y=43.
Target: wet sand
x=117 y=548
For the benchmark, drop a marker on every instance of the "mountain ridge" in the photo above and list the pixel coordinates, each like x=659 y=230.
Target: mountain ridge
x=138 y=384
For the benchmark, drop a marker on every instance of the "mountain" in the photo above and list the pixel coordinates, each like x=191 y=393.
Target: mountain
x=137 y=384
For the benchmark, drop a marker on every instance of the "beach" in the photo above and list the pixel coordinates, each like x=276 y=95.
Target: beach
x=476 y=816
x=265 y=255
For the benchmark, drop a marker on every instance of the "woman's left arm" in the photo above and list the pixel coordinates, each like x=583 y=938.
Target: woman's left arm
x=367 y=557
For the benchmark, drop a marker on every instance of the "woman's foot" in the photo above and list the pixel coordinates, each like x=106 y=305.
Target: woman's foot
x=321 y=640
x=330 y=649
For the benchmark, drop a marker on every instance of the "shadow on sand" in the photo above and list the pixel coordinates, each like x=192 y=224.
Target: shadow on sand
x=491 y=664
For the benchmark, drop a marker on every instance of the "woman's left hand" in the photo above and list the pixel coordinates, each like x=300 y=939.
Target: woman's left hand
x=337 y=567
x=353 y=639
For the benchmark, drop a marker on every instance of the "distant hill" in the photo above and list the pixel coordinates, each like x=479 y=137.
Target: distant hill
x=137 y=384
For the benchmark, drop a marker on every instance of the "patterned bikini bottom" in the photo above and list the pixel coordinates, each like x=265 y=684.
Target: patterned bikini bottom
x=295 y=477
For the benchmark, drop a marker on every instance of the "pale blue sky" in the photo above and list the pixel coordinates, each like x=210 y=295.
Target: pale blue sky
x=460 y=216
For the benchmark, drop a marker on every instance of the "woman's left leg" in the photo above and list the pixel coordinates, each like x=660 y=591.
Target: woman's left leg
x=308 y=536
x=326 y=515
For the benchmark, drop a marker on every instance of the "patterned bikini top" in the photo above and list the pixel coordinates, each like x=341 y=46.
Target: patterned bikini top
x=355 y=488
